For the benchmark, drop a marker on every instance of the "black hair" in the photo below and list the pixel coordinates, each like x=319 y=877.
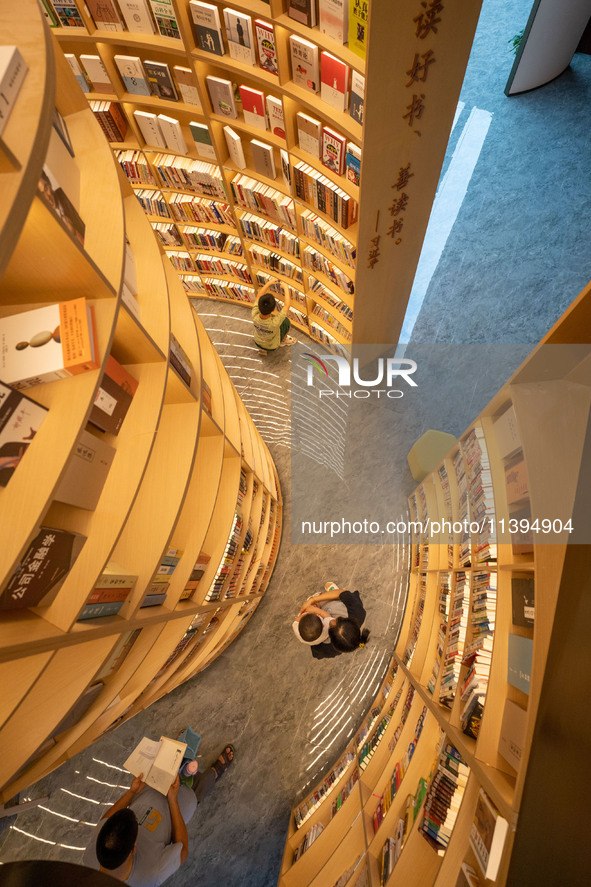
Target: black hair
x=346 y=635
x=310 y=627
x=267 y=303
x=116 y=839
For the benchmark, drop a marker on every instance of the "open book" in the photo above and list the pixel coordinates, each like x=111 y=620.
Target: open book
x=158 y=761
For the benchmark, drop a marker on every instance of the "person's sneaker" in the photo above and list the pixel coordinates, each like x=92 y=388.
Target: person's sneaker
x=330 y=586
x=288 y=340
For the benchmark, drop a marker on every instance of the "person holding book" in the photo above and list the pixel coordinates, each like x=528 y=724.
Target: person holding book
x=270 y=325
x=331 y=622
x=143 y=839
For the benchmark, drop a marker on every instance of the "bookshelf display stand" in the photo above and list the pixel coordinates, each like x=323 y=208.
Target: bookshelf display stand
x=176 y=475
x=550 y=395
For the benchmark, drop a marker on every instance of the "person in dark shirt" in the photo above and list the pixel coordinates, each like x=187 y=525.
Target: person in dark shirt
x=331 y=622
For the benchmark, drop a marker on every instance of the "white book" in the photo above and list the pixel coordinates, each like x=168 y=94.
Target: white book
x=150 y=127
x=334 y=19
x=208 y=28
x=13 y=70
x=132 y=74
x=221 y=94
x=234 y=143
x=304 y=63
x=173 y=134
x=240 y=36
x=97 y=74
x=157 y=762
x=137 y=16
x=253 y=107
x=276 y=118
x=264 y=162
x=309 y=134
x=202 y=139
x=77 y=71
x=187 y=85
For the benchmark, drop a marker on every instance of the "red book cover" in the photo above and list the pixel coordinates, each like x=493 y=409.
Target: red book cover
x=333 y=150
x=253 y=106
x=334 y=80
x=267 y=50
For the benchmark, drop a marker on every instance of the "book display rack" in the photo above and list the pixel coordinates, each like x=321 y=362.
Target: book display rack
x=107 y=605
x=436 y=777
x=242 y=126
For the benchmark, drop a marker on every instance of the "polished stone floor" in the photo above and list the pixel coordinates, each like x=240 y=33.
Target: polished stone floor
x=515 y=255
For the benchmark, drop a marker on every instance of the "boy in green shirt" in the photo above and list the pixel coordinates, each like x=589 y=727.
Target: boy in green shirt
x=270 y=325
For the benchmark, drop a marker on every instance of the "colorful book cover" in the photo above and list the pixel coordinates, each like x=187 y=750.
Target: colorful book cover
x=304 y=63
x=334 y=87
x=208 y=29
x=276 y=118
x=165 y=16
x=68 y=14
x=221 y=94
x=240 y=36
x=20 y=420
x=333 y=150
x=42 y=569
x=132 y=74
x=353 y=163
x=358 y=26
x=160 y=80
x=253 y=107
x=267 y=50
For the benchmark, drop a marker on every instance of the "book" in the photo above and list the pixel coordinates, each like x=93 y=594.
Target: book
x=97 y=74
x=160 y=80
x=304 y=63
x=153 y=600
x=150 y=128
x=105 y=15
x=118 y=654
x=285 y=167
x=507 y=433
x=47 y=344
x=302 y=11
x=208 y=29
x=353 y=163
x=68 y=14
x=137 y=16
x=358 y=26
x=180 y=362
x=253 y=106
x=173 y=134
x=111 y=119
x=60 y=165
x=83 y=479
x=266 y=48
x=221 y=94
x=334 y=19
x=165 y=17
x=115 y=576
x=187 y=85
x=234 y=143
x=523 y=601
x=98 y=610
x=202 y=139
x=487 y=836
x=240 y=36
x=80 y=707
x=108 y=595
x=516 y=480
x=77 y=71
x=132 y=74
x=513 y=732
x=519 y=660
x=309 y=134
x=357 y=96
x=13 y=70
x=113 y=399
x=48 y=14
x=157 y=762
x=333 y=150
x=467 y=877
x=20 y=420
x=264 y=161
x=42 y=569
x=334 y=81
x=276 y=118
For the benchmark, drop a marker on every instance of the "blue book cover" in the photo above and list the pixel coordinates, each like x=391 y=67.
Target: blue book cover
x=135 y=86
x=353 y=169
x=519 y=662
x=93 y=611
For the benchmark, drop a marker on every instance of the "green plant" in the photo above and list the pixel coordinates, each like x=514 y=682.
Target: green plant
x=515 y=41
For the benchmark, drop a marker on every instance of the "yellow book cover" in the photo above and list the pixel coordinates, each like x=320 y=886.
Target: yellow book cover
x=358 y=26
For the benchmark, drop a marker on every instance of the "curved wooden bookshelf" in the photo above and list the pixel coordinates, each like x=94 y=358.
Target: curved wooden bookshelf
x=179 y=456
x=443 y=628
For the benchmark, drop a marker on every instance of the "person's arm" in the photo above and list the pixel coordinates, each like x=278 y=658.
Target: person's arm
x=179 y=829
x=125 y=800
x=286 y=296
x=265 y=288
x=310 y=608
x=324 y=596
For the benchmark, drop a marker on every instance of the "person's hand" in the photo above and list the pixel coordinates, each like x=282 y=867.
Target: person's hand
x=137 y=785
x=174 y=789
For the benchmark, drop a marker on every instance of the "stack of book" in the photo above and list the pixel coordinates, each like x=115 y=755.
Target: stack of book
x=482 y=505
x=153 y=202
x=181 y=260
x=111 y=590
x=167 y=234
x=311 y=836
x=197 y=572
x=216 y=265
x=189 y=175
x=397 y=776
x=111 y=119
x=331 y=321
x=344 y=793
x=463 y=510
x=404 y=715
x=227 y=560
x=455 y=640
x=204 y=238
x=478 y=651
x=264 y=231
x=328 y=237
x=307 y=807
x=444 y=601
x=317 y=262
x=158 y=587
x=444 y=796
x=318 y=191
x=448 y=514
x=179 y=360
x=412 y=641
x=228 y=290
x=186 y=208
x=275 y=263
x=135 y=166
x=263 y=198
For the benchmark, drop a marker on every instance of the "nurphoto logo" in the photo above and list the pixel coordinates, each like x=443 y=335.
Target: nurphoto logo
x=390 y=371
